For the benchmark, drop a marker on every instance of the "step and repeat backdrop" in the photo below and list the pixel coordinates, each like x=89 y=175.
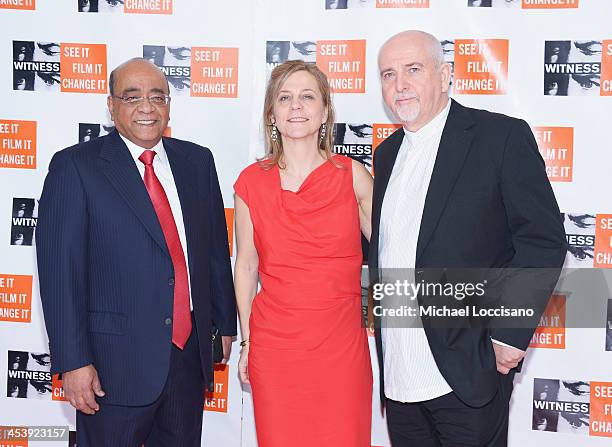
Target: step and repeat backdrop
x=546 y=61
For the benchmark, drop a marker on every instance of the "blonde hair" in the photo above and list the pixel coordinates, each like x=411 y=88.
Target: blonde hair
x=274 y=149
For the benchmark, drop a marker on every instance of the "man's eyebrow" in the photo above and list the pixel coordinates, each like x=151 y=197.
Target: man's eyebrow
x=408 y=65
x=135 y=89
x=412 y=64
x=130 y=90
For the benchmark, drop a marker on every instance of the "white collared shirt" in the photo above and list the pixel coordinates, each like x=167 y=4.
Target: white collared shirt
x=411 y=373
x=162 y=169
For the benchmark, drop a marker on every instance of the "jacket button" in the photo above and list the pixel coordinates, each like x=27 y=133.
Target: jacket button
x=168 y=321
x=171 y=282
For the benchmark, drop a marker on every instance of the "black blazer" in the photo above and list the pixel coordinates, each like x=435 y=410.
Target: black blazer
x=106 y=276
x=489 y=205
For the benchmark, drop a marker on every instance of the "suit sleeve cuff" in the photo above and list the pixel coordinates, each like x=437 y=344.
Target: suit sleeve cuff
x=502 y=343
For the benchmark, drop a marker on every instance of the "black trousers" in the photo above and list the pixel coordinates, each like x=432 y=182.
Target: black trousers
x=173 y=420
x=446 y=421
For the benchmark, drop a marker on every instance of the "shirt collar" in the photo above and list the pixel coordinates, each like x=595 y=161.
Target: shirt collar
x=136 y=151
x=431 y=128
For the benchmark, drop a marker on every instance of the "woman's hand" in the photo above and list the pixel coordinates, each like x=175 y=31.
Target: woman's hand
x=243 y=365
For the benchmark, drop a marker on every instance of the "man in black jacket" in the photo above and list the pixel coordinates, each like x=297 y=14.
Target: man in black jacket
x=455 y=187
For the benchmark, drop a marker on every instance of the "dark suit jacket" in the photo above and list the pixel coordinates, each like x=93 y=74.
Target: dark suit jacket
x=489 y=205
x=106 y=276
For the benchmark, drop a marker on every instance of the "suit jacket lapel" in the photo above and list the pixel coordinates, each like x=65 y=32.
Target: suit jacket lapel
x=384 y=167
x=454 y=146
x=123 y=174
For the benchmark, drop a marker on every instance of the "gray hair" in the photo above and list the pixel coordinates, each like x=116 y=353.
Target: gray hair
x=433 y=45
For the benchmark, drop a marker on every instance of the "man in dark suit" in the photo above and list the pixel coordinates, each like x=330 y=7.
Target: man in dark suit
x=134 y=270
x=455 y=188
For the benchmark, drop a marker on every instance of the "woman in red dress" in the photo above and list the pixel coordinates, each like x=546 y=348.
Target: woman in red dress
x=299 y=216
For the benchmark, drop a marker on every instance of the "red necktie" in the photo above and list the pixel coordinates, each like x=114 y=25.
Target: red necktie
x=182 y=315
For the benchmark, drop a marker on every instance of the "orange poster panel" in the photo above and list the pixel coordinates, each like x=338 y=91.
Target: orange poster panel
x=17 y=144
x=600 y=421
x=214 y=72
x=229 y=222
x=83 y=68
x=12 y=436
x=24 y=5
x=343 y=61
x=56 y=386
x=556 y=145
x=402 y=3
x=216 y=400
x=549 y=4
x=15 y=298
x=550 y=333
x=603 y=241
x=147 y=7
x=606 y=68
x=481 y=66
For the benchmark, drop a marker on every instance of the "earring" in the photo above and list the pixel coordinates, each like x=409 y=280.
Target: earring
x=274 y=133
x=323 y=131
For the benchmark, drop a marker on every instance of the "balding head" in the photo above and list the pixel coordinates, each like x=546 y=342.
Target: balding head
x=426 y=41
x=414 y=77
x=112 y=79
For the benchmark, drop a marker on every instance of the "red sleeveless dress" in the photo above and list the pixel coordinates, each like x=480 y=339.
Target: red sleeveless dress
x=309 y=362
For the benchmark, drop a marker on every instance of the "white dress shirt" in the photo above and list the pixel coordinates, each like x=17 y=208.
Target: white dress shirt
x=162 y=169
x=411 y=373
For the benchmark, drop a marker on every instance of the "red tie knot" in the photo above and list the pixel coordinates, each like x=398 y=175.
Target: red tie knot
x=147 y=157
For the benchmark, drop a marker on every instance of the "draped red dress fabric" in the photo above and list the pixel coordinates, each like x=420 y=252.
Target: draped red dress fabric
x=309 y=362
